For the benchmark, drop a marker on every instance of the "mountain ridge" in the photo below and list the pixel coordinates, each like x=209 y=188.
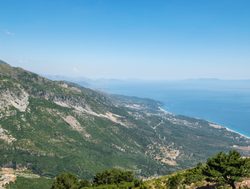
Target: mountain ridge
x=54 y=126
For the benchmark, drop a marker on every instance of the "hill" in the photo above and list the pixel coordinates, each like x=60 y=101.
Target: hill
x=224 y=170
x=55 y=126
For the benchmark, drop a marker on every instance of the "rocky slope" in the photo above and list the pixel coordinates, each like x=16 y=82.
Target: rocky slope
x=53 y=126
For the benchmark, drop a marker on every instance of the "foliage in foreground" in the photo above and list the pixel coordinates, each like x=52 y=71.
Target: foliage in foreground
x=31 y=183
x=223 y=169
x=109 y=179
x=186 y=178
x=227 y=168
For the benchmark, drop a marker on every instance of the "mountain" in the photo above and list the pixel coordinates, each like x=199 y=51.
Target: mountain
x=55 y=126
x=187 y=84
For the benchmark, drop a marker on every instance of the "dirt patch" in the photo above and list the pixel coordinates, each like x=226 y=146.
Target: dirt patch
x=20 y=101
x=243 y=148
x=72 y=121
x=7 y=175
x=5 y=136
x=243 y=184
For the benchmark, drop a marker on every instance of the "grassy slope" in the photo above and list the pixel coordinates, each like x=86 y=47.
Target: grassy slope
x=31 y=183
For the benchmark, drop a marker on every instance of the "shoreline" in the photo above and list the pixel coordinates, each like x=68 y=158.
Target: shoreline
x=209 y=121
x=234 y=131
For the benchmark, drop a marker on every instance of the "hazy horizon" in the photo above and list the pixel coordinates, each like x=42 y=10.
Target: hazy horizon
x=79 y=78
x=55 y=76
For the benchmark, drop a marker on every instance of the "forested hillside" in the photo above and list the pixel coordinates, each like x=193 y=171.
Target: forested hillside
x=54 y=126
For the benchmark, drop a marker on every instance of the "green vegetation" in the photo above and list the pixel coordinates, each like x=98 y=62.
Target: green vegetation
x=109 y=179
x=223 y=170
x=113 y=176
x=51 y=127
x=227 y=168
x=175 y=181
x=67 y=181
x=31 y=183
x=186 y=178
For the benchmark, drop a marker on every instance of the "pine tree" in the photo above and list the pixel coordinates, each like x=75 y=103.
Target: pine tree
x=66 y=181
x=226 y=168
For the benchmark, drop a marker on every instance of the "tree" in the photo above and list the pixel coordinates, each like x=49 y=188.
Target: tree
x=175 y=181
x=84 y=183
x=66 y=181
x=226 y=168
x=194 y=175
x=113 y=176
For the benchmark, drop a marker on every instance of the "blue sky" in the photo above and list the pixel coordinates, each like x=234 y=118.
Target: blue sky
x=143 y=39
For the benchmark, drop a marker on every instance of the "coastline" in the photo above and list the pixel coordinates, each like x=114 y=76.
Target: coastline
x=212 y=123
x=234 y=131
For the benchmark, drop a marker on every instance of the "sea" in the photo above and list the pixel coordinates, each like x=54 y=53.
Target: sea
x=226 y=103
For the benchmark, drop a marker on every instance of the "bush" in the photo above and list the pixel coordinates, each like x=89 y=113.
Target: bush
x=194 y=175
x=66 y=181
x=226 y=168
x=175 y=181
x=84 y=183
x=113 y=176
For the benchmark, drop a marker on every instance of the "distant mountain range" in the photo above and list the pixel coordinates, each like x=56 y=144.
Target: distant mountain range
x=54 y=126
x=194 y=84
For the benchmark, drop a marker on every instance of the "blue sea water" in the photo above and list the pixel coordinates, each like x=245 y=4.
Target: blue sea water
x=229 y=107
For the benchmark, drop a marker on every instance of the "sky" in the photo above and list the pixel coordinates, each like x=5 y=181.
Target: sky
x=128 y=39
